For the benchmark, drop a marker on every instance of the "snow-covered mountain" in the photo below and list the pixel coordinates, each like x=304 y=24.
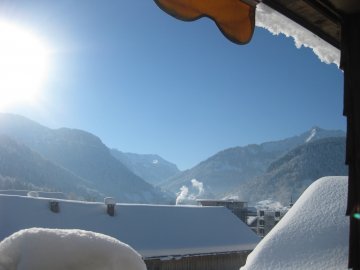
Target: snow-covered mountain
x=227 y=169
x=152 y=168
x=84 y=155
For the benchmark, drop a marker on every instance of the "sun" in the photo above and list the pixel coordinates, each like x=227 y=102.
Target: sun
x=23 y=65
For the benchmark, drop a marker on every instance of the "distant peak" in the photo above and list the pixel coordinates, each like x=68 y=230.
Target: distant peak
x=316 y=128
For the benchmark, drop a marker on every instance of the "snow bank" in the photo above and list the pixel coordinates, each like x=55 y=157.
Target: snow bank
x=312 y=235
x=44 y=249
x=277 y=24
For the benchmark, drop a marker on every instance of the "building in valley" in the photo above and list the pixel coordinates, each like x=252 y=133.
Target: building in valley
x=239 y=208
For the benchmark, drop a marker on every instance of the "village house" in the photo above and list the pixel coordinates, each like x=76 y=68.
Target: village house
x=260 y=221
x=266 y=219
x=167 y=237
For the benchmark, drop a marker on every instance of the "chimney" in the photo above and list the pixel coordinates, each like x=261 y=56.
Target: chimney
x=54 y=206
x=110 y=205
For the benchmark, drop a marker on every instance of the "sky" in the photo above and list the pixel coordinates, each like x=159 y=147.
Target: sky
x=147 y=83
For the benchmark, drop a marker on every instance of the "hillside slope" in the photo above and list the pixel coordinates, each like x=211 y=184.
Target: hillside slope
x=152 y=168
x=84 y=155
x=232 y=167
x=22 y=168
x=291 y=174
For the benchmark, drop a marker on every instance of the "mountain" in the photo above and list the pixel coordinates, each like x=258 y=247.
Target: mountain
x=224 y=170
x=84 y=155
x=229 y=168
x=291 y=174
x=92 y=168
x=21 y=168
x=152 y=168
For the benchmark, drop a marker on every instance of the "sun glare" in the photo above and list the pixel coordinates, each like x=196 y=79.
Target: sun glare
x=23 y=65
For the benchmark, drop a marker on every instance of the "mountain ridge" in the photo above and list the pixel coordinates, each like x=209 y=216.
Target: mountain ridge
x=131 y=177
x=230 y=167
x=287 y=177
x=83 y=154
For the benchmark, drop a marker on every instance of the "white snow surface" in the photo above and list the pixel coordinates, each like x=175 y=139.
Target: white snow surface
x=312 y=235
x=109 y=200
x=152 y=230
x=155 y=161
x=44 y=249
x=270 y=205
x=43 y=194
x=312 y=135
x=277 y=23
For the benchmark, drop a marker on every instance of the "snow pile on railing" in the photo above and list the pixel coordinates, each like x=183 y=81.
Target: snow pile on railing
x=45 y=249
x=313 y=235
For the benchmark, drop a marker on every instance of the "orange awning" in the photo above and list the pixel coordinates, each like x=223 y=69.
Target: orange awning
x=235 y=19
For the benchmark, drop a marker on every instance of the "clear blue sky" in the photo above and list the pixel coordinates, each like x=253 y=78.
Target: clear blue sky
x=147 y=83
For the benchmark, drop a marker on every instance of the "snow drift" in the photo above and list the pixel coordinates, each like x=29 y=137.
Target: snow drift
x=44 y=249
x=312 y=235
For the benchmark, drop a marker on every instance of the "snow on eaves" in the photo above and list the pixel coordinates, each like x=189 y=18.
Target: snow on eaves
x=277 y=23
x=312 y=235
x=152 y=230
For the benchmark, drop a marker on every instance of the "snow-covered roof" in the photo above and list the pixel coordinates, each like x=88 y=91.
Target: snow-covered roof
x=152 y=230
x=314 y=234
